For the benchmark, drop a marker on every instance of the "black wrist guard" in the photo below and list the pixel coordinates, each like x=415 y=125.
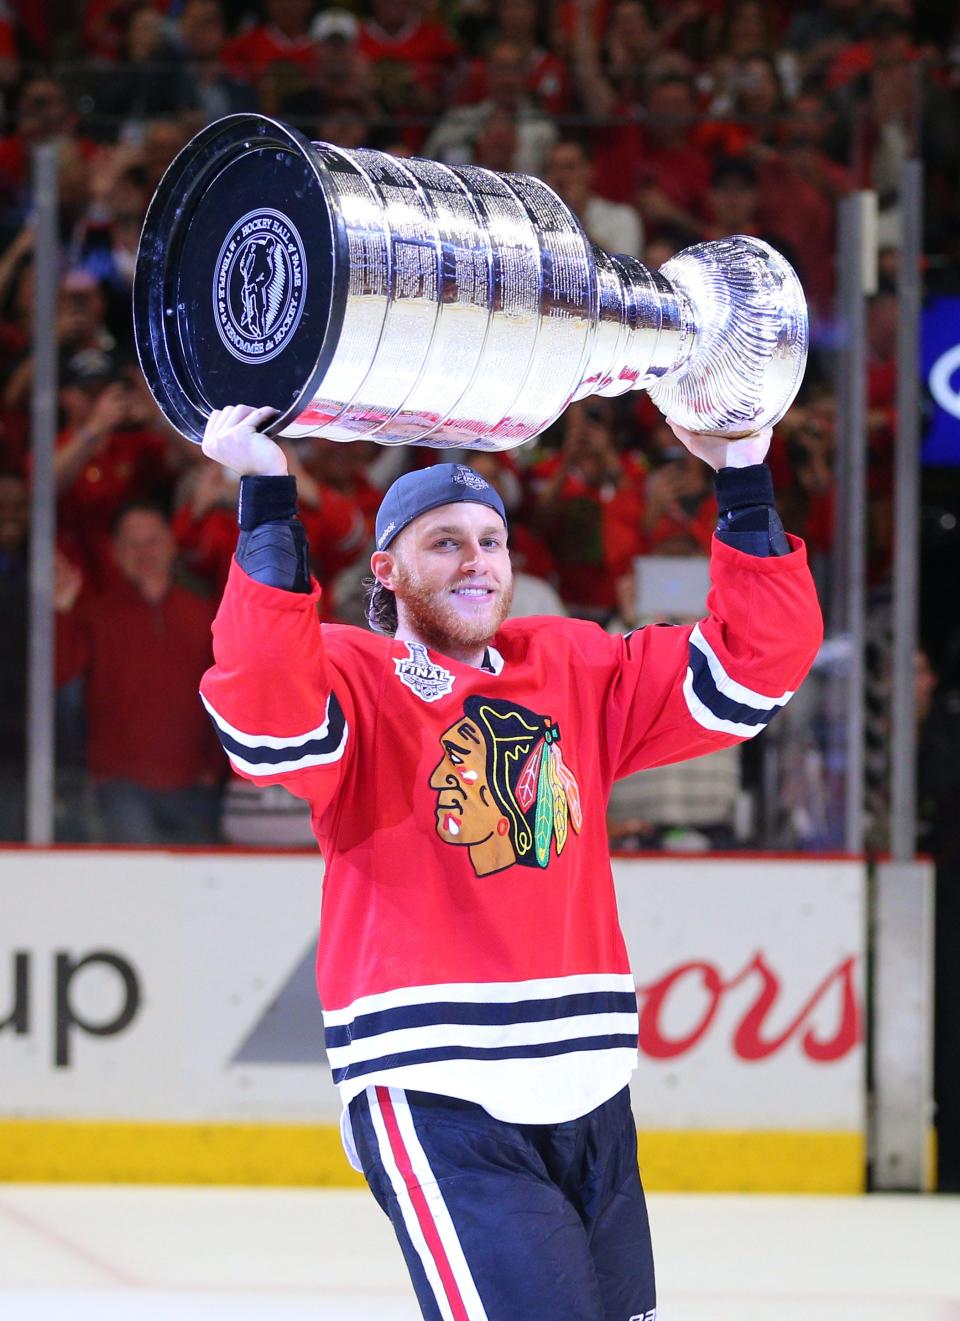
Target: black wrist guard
x=266 y=500
x=748 y=517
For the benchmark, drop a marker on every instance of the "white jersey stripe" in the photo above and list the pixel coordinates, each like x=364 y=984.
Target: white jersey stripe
x=407 y=1209
x=541 y=988
x=729 y=687
x=705 y=717
x=438 y=1207
x=248 y=740
x=487 y=1035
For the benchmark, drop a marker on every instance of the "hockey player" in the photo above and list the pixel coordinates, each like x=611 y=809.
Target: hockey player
x=480 y=1013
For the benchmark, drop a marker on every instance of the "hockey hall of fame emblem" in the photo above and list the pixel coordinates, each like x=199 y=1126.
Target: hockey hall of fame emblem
x=503 y=789
x=259 y=285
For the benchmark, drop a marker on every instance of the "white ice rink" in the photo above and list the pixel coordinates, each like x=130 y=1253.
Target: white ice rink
x=122 y=1254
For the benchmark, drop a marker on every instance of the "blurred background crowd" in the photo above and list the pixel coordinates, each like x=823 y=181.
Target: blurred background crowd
x=661 y=123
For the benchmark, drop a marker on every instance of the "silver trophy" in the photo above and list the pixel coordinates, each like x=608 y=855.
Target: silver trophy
x=367 y=297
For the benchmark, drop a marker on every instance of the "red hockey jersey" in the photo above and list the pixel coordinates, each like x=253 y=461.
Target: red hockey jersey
x=469 y=939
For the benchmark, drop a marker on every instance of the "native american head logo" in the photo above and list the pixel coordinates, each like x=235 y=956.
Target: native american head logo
x=503 y=789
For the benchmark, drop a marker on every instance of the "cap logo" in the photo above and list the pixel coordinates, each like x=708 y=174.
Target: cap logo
x=386 y=532
x=467 y=477
x=259 y=285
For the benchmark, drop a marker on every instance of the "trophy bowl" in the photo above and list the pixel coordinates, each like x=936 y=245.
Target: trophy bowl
x=365 y=297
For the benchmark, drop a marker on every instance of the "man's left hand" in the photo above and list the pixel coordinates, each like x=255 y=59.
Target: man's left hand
x=719 y=452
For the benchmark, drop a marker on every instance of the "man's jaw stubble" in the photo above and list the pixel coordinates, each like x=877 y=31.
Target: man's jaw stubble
x=436 y=620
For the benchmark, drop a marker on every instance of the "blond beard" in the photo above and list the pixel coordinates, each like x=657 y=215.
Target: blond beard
x=436 y=621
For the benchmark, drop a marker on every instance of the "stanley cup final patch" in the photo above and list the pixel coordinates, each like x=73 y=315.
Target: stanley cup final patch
x=259 y=285
x=430 y=682
x=467 y=477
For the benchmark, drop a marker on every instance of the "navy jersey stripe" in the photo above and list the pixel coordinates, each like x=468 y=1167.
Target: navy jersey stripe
x=263 y=756
x=538 y=1050
x=724 y=708
x=514 y=1011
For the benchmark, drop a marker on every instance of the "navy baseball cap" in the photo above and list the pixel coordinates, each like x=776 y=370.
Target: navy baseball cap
x=415 y=493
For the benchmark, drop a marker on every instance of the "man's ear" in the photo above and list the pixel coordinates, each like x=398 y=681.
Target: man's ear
x=383 y=566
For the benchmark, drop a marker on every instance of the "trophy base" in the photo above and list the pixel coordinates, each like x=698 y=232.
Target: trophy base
x=237 y=255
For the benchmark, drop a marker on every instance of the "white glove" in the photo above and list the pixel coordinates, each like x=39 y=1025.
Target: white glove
x=719 y=452
x=231 y=437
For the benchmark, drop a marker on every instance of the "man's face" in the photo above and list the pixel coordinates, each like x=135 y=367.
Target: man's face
x=452 y=576
x=733 y=203
x=202 y=29
x=143 y=547
x=506 y=75
x=43 y=112
x=569 y=171
x=14 y=513
x=671 y=110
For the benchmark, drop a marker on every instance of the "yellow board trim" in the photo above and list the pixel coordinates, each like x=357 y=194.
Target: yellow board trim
x=82 y=1151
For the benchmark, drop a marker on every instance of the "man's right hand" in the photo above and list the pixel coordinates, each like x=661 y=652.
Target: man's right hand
x=231 y=437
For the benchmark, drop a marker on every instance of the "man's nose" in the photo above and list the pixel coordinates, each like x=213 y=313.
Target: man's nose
x=471 y=557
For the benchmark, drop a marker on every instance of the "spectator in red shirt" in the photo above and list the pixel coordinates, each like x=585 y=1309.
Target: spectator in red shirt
x=109 y=453
x=142 y=647
x=521 y=133
x=144 y=82
x=589 y=503
x=281 y=39
x=105 y=24
x=818 y=33
x=414 y=61
x=804 y=445
x=204 y=83
x=205 y=525
x=43 y=115
x=680 y=511
x=733 y=203
x=547 y=82
x=800 y=186
x=747 y=111
x=670 y=172
x=888 y=42
x=81 y=330
x=338 y=105
x=610 y=75
x=613 y=226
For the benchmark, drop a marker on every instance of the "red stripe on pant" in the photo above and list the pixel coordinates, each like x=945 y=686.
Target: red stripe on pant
x=421 y=1207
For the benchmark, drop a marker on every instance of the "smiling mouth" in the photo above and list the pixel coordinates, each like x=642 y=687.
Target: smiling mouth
x=472 y=593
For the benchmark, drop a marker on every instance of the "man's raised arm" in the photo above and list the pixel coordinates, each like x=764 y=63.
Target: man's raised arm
x=282 y=712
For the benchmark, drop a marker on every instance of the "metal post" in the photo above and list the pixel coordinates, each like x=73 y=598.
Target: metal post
x=906 y=553
x=904 y=928
x=858 y=263
x=902 y=1027
x=43 y=426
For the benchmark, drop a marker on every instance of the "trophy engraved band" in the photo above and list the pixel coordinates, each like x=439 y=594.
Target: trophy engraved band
x=367 y=297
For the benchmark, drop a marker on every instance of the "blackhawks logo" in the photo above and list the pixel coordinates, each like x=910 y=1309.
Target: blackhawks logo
x=503 y=789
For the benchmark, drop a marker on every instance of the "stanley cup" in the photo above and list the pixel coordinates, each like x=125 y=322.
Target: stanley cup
x=366 y=297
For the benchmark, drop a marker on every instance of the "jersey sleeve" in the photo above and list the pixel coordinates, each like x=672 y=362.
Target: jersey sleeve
x=678 y=692
x=282 y=711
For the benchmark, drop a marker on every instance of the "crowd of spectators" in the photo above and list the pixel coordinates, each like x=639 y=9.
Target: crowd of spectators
x=660 y=122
